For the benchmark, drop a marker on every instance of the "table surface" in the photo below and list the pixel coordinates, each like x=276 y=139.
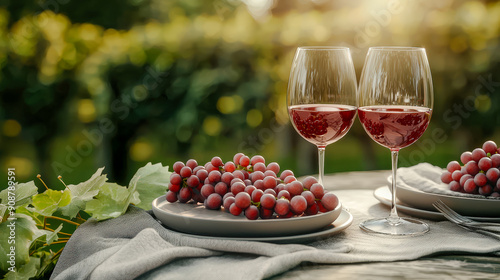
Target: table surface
x=439 y=267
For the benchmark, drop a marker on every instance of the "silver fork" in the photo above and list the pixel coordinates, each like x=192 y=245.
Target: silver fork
x=463 y=221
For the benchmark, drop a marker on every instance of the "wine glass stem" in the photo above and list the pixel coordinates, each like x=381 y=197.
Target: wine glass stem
x=393 y=217
x=321 y=158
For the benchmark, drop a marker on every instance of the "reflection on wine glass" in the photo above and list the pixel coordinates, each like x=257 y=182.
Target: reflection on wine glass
x=395 y=107
x=321 y=96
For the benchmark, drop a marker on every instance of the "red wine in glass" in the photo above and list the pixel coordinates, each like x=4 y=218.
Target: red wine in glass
x=395 y=127
x=322 y=124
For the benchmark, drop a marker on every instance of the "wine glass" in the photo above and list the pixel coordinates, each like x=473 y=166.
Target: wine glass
x=321 y=96
x=395 y=107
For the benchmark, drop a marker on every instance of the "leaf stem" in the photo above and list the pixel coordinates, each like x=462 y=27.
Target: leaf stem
x=57 y=242
x=63 y=233
x=64 y=220
x=40 y=178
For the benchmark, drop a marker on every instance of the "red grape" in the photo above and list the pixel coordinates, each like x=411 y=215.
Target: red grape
x=330 y=201
x=242 y=200
x=175 y=179
x=221 y=188
x=298 y=204
x=237 y=187
x=184 y=195
x=259 y=184
x=227 y=177
x=470 y=186
x=269 y=182
x=252 y=212
x=229 y=194
x=174 y=188
x=455 y=186
x=178 y=165
x=270 y=173
x=199 y=167
x=321 y=208
x=456 y=175
x=250 y=189
x=466 y=157
x=236 y=180
x=214 y=176
x=285 y=174
x=493 y=174
x=485 y=163
x=171 y=196
x=490 y=147
x=285 y=194
x=229 y=166
x=480 y=179
x=193 y=181
x=465 y=178
x=289 y=179
x=186 y=171
x=202 y=174
x=312 y=210
x=478 y=154
x=267 y=201
x=257 y=159
x=247 y=182
x=270 y=191
x=259 y=166
x=213 y=201
x=238 y=174
x=236 y=158
x=472 y=168
x=227 y=202
x=209 y=167
x=235 y=210
x=257 y=175
x=309 y=196
x=295 y=188
x=244 y=161
x=309 y=181
x=257 y=195
x=485 y=190
x=207 y=190
x=318 y=190
x=279 y=187
x=282 y=207
x=273 y=166
x=453 y=165
x=495 y=160
x=217 y=161
x=266 y=213
x=192 y=163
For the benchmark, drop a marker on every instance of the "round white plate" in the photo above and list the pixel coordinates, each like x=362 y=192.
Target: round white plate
x=343 y=221
x=383 y=194
x=467 y=206
x=195 y=219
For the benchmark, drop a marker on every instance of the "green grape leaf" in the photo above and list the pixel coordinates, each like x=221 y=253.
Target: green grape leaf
x=26 y=271
x=3 y=212
x=25 y=229
x=22 y=193
x=49 y=201
x=82 y=193
x=112 y=201
x=46 y=236
x=152 y=183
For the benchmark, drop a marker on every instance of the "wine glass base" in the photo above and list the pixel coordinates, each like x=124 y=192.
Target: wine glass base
x=403 y=227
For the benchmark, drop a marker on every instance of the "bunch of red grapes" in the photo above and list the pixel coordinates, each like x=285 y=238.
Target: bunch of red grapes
x=246 y=185
x=479 y=174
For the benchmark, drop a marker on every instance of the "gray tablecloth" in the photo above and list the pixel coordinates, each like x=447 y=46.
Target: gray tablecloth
x=137 y=246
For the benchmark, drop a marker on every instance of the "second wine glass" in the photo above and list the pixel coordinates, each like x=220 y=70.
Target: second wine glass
x=321 y=96
x=395 y=107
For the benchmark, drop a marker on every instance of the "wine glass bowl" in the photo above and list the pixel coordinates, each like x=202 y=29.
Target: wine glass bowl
x=395 y=98
x=321 y=96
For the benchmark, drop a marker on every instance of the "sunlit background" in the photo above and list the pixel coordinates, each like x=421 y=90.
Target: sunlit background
x=119 y=83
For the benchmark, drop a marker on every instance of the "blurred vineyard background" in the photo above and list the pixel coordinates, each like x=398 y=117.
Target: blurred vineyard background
x=119 y=83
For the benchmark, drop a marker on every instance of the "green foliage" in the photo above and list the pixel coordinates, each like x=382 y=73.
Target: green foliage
x=35 y=237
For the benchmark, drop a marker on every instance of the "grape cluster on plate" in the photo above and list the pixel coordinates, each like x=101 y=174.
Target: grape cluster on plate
x=246 y=185
x=479 y=173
